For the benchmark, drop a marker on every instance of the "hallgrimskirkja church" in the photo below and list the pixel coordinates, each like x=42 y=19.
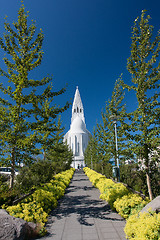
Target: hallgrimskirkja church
x=78 y=136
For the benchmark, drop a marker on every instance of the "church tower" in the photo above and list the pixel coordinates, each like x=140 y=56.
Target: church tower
x=78 y=136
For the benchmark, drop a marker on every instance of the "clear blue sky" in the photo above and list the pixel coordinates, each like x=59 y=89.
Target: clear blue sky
x=87 y=43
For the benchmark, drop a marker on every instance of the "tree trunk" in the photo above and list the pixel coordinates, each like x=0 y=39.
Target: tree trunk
x=12 y=168
x=147 y=160
x=102 y=168
x=149 y=186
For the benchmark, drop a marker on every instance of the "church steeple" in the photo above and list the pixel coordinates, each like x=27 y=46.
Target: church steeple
x=78 y=136
x=77 y=107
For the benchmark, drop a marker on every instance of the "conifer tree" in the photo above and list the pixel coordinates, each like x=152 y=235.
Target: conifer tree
x=91 y=155
x=46 y=126
x=59 y=153
x=117 y=108
x=21 y=93
x=144 y=66
x=105 y=135
x=106 y=132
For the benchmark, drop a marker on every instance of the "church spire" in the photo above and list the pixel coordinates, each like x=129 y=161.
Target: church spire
x=77 y=107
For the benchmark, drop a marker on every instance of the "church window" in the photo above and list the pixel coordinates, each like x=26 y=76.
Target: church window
x=77 y=110
x=78 y=148
x=75 y=145
x=74 y=110
x=80 y=110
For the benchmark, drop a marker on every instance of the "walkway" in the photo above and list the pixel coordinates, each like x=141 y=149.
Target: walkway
x=81 y=215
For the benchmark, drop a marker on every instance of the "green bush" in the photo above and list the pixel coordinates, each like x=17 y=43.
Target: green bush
x=128 y=204
x=139 y=226
x=110 y=190
x=37 y=173
x=36 y=207
x=114 y=192
x=30 y=212
x=143 y=226
x=7 y=195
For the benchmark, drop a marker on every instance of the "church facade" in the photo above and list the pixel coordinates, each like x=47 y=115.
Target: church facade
x=78 y=136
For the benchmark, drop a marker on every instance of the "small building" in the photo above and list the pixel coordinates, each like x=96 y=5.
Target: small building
x=78 y=136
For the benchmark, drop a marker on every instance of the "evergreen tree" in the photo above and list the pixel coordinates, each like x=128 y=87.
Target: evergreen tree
x=23 y=53
x=144 y=66
x=91 y=155
x=115 y=108
x=59 y=153
x=46 y=126
x=105 y=133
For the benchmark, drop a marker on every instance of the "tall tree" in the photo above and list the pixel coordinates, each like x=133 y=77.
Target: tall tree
x=105 y=135
x=59 y=153
x=115 y=108
x=47 y=125
x=144 y=66
x=91 y=155
x=23 y=53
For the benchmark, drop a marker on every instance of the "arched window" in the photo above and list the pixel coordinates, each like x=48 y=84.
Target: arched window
x=74 y=110
x=77 y=110
x=80 y=110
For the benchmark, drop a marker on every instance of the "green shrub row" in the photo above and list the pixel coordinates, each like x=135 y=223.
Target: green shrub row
x=36 y=207
x=139 y=226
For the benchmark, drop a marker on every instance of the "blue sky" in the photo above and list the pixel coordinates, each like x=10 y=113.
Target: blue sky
x=87 y=43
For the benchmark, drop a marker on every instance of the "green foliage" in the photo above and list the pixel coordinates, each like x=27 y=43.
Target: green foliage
x=34 y=175
x=128 y=204
x=136 y=178
x=60 y=156
x=91 y=155
x=45 y=198
x=102 y=146
x=110 y=191
x=7 y=195
x=28 y=115
x=143 y=64
x=30 y=212
x=143 y=226
x=139 y=225
x=36 y=207
x=133 y=177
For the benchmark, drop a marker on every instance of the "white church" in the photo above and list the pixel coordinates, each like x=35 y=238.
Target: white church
x=78 y=136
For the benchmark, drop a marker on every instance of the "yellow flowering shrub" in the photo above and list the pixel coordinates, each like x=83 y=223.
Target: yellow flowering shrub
x=105 y=183
x=36 y=207
x=45 y=198
x=129 y=203
x=94 y=177
x=110 y=190
x=30 y=212
x=57 y=189
x=16 y=211
x=143 y=226
x=139 y=226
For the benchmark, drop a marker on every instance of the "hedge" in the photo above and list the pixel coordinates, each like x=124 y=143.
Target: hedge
x=142 y=226
x=36 y=207
x=139 y=226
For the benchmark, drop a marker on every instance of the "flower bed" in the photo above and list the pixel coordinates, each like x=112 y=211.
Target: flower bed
x=143 y=226
x=139 y=226
x=36 y=207
x=110 y=190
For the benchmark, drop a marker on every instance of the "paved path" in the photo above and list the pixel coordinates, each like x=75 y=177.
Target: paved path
x=81 y=215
